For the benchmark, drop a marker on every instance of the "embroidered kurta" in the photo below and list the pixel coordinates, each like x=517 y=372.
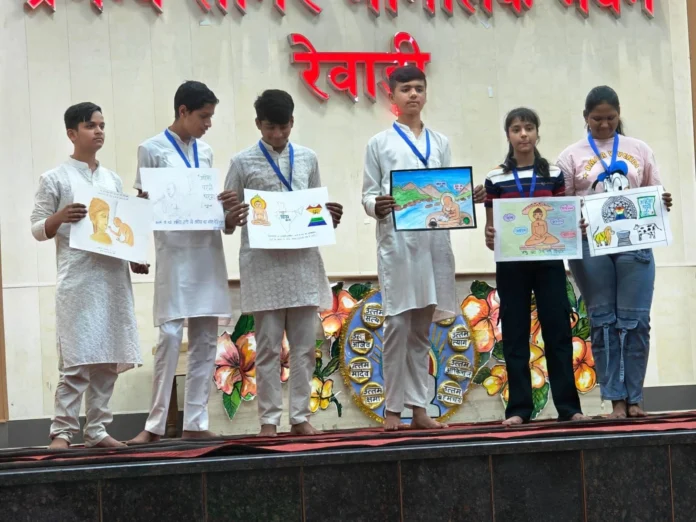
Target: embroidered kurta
x=416 y=269
x=190 y=273
x=95 y=316
x=278 y=279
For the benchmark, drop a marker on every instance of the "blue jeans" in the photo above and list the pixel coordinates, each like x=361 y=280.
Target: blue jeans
x=618 y=290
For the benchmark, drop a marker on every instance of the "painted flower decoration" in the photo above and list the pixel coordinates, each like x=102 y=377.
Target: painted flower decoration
x=583 y=365
x=322 y=392
x=483 y=315
x=332 y=320
x=236 y=363
x=284 y=359
x=497 y=382
x=537 y=365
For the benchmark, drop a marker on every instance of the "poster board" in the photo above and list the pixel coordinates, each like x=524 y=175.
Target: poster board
x=537 y=229
x=433 y=199
x=184 y=199
x=628 y=220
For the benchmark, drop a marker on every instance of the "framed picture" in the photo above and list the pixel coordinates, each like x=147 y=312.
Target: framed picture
x=433 y=199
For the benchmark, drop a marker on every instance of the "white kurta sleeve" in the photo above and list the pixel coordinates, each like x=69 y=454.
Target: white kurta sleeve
x=372 y=180
x=314 y=176
x=145 y=160
x=46 y=203
x=235 y=181
x=447 y=155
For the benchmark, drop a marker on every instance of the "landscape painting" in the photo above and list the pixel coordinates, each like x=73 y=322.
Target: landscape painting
x=433 y=199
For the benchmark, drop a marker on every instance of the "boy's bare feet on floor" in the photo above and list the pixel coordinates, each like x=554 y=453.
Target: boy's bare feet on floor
x=143 y=437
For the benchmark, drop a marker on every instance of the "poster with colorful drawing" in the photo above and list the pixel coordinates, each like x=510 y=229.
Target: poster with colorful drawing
x=432 y=199
x=184 y=199
x=116 y=225
x=537 y=229
x=628 y=220
x=289 y=220
x=451 y=361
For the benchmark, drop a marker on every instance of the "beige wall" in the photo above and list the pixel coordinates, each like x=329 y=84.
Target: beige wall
x=130 y=60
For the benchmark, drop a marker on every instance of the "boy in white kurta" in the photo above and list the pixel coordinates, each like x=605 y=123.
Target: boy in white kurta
x=283 y=289
x=190 y=275
x=416 y=269
x=96 y=332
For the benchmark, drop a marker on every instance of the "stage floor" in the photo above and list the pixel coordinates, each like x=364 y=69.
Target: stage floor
x=598 y=470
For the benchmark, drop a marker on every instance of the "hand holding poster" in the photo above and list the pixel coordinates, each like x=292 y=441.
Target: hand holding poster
x=289 y=220
x=627 y=220
x=116 y=225
x=184 y=199
x=537 y=229
x=432 y=199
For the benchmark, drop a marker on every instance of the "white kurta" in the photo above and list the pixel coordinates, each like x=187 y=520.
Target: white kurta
x=278 y=279
x=190 y=274
x=95 y=316
x=416 y=269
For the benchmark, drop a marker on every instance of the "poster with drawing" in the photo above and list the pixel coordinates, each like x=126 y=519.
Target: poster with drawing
x=537 y=229
x=433 y=199
x=628 y=220
x=289 y=220
x=184 y=199
x=116 y=225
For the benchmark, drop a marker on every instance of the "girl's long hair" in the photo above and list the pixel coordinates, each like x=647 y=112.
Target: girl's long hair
x=541 y=165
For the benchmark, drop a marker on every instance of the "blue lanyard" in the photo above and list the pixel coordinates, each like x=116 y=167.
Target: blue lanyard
x=614 y=153
x=415 y=150
x=519 y=183
x=275 y=166
x=181 y=152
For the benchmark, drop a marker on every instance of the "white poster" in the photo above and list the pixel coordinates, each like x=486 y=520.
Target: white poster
x=627 y=220
x=184 y=199
x=116 y=225
x=286 y=220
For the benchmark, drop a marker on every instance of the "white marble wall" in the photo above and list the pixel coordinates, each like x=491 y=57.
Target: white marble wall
x=130 y=60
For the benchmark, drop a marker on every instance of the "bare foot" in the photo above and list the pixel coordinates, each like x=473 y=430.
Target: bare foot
x=268 y=430
x=421 y=421
x=59 y=443
x=636 y=411
x=579 y=417
x=109 y=442
x=304 y=428
x=198 y=435
x=392 y=422
x=513 y=421
x=619 y=411
x=144 y=437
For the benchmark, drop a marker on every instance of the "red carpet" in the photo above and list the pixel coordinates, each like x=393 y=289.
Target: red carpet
x=339 y=440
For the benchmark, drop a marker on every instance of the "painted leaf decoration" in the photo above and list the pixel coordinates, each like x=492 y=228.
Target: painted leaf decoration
x=232 y=401
x=480 y=289
x=540 y=397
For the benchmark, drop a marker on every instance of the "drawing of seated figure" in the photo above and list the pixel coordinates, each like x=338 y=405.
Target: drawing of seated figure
x=171 y=204
x=449 y=216
x=540 y=230
x=258 y=210
x=99 y=216
x=123 y=232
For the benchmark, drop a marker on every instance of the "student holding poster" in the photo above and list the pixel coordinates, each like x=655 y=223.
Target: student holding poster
x=282 y=288
x=416 y=269
x=525 y=174
x=190 y=276
x=618 y=288
x=97 y=336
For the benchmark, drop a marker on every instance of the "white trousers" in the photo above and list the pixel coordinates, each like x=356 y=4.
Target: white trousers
x=202 y=337
x=96 y=382
x=300 y=324
x=405 y=359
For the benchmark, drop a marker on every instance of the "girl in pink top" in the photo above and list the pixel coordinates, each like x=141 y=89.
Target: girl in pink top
x=618 y=288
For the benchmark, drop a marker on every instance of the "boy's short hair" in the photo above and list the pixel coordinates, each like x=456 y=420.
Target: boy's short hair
x=274 y=106
x=194 y=96
x=405 y=74
x=79 y=113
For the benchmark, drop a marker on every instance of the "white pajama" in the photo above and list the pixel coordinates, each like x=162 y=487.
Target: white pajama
x=202 y=337
x=96 y=382
x=300 y=324
x=405 y=358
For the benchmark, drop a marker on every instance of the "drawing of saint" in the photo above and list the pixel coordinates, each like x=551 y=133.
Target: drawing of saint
x=450 y=216
x=258 y=210
x=123 y=232
x=540 y=229
x=99 y=216
x=170 y=203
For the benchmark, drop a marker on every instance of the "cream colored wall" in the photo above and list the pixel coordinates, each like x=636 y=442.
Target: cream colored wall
x=130 y=60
